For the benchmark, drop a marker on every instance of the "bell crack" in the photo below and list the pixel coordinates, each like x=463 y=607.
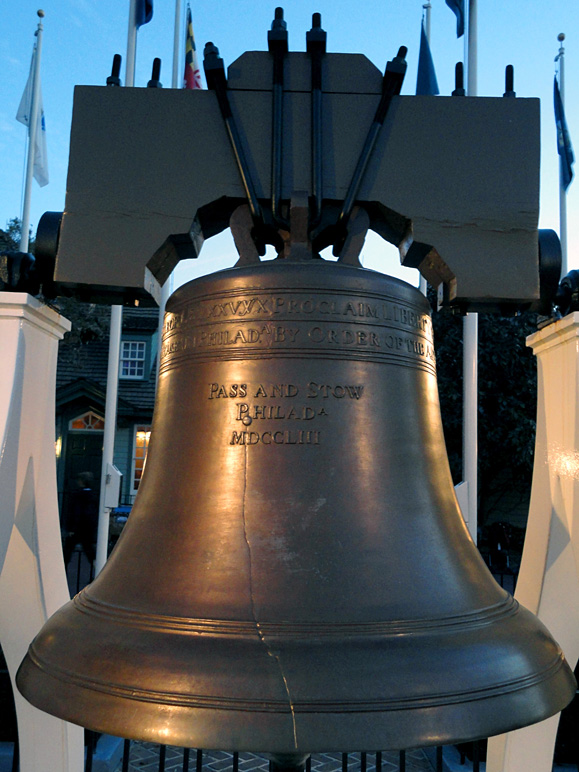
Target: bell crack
x=260 y=632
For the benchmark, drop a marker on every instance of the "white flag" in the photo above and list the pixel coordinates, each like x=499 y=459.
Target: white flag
x=23 y=115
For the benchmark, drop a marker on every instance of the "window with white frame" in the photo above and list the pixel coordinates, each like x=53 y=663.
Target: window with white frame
x=133 y=355
x=87 y=422
x=140 y=447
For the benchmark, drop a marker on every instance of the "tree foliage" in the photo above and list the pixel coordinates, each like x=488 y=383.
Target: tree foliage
x=89 y=321
x=507 y=386
x=11 y=236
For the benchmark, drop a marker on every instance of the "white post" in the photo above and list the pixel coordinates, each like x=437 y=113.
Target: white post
x=470 y=334
x=562 y=191
x=109 y=433
x=32 y=575
x=548 y=583
x=33 y=120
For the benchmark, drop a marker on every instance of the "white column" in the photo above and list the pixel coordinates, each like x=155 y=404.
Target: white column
x=32 y=575
x=548 y=583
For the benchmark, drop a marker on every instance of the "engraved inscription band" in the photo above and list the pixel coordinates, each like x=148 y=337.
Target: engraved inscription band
x=235 y=325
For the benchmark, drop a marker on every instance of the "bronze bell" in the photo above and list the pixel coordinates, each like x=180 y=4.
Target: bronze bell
x=296 y=575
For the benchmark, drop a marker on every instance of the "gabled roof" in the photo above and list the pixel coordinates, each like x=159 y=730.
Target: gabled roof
x=82 y=369
x=83 y=390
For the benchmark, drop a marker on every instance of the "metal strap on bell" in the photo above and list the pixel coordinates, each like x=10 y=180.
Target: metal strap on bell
x=296 y=575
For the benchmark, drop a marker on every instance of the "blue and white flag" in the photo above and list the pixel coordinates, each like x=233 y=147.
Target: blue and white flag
x=426 y=83
x=564 y=147
x=143 y=12
x=24 y=114
x=457 y=7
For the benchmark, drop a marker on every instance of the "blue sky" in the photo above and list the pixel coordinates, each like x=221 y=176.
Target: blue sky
x=81 y=36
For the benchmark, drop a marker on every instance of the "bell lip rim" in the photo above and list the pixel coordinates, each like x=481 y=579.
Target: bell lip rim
x=427 y=702
x=306 y=723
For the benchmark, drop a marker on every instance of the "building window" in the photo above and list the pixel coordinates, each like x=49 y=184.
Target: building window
x=142 y=437
x=89 y=422
x=133 y=354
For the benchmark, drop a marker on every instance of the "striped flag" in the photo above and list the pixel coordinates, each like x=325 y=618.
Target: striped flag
x=426 y=83
x=564 y=147
x=192 y=77
x=23 y=115
x=457 y=7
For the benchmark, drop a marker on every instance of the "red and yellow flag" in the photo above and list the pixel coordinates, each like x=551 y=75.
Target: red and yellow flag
x=192 y=77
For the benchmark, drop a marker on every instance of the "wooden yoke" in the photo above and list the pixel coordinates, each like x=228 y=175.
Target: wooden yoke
x=453 y=182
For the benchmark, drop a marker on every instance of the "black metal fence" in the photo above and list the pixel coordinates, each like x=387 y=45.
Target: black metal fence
x=194 y=760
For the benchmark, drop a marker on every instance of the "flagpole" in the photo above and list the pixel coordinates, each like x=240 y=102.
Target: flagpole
x=175 y=82
x=32 y=126
x=109 y=433
x=427 y=7
x=471 y=41
x=470 y=330
x=167 y=288
x=427 y=12
x=110 y=429
x=131 y=45
x=562 y=190
x=115 y=334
